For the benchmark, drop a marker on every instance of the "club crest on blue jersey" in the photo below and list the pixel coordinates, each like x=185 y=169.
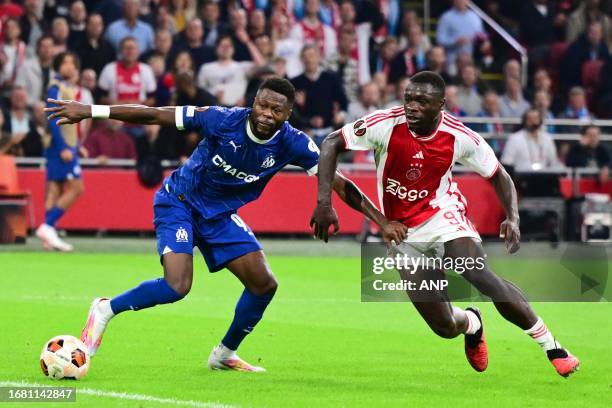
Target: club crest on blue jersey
x=268 y=162
x=182 y=235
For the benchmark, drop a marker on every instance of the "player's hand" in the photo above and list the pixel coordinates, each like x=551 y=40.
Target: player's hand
x=394 y=232
x=67 y=111
x=509 y=231
x=322 y=218
x=66 y=155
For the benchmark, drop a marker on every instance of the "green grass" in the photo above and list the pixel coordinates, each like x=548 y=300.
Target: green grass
x=321 y=346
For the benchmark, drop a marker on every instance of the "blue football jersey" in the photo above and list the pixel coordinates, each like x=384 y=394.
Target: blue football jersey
x=231 y=166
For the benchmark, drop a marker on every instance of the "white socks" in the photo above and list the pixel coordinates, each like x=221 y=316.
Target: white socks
x=539 y=332
x=104 y=307
x=226 y=353
x=473 y=322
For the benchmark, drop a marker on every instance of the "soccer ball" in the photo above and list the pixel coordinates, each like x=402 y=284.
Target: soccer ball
x=64 y=357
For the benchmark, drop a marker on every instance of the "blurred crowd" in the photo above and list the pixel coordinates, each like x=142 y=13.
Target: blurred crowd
x=346 y=58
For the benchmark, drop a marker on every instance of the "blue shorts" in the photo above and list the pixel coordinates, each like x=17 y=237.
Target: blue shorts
x=59 y=170
x=179 y=228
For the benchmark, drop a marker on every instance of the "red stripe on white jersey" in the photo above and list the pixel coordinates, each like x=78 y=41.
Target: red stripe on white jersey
x=385 y=118
x=459 y=129
x=375 y=116
x=450 y=121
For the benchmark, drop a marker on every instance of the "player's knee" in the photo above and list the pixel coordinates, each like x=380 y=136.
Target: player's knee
x=181 y=286
x=268 y=287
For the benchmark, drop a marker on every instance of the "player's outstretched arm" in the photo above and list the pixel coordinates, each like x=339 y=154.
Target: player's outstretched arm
x=68 y=112
x=506 y=192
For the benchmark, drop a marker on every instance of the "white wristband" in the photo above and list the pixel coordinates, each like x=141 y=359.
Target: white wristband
x=100 y=111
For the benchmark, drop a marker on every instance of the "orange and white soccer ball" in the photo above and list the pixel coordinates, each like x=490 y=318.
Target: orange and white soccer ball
x=64 y=356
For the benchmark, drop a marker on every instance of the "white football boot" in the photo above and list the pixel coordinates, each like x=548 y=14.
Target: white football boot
x=51 y=240
x=100 y=313
x=222 y=358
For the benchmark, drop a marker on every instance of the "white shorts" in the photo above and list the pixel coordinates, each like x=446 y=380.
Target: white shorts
x=429 y=237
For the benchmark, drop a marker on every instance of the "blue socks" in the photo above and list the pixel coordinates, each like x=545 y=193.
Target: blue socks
x=249 y=310
x=53 y=215
x=147 y=294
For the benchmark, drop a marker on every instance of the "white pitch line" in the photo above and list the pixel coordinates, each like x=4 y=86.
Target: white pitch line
x=120 y=395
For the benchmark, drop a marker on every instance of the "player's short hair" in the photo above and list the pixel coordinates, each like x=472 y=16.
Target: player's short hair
x=432 y=78
x=59 y=60
x=281 y=86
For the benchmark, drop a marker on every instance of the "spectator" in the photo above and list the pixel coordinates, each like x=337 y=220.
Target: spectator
x=265 y=48
x=458 y=29
x=189 y=94
x=257 y=23
x=319 y=93
x=412 y=58
x=542 y=82
x=78 y=23
x=576 y=109
x=531 y=148
x=162 y=48
x=89 y=81
x=130 y=26
x=468 y=96
x=60 y=32
x=587 y=12
x=8 y=9
x=590 y=152
x=436 y=62
x=400 y=88
x=182 y=11
x=490 y=109
x=164 y=20
x=160 y=143
x=537 y=25
x=109 y=141
x=312 y=31
x=213 y=28
x=24 y=138
x=541 y=102
x=128 y=80
x=95 y=52
x=240 y=36
x=512 y=68
x=382 y=60
x=164 y=80
x=32 y=25
x=12 y=53
x=191 y=40
x=369 y=101
x=287 y=47
x=604 y=94
x=513 y=104
x=344 y=64
x=35 y=73
x=589 y=46
x=452 y=101
x=330 y=13
x=226 y=78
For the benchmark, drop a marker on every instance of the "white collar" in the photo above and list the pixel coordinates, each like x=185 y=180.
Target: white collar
x=254 y=138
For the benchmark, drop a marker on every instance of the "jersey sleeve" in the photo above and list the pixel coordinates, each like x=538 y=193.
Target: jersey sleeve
x=206 y=119
x=478 y=156
x=366 y=133
x=306 y=154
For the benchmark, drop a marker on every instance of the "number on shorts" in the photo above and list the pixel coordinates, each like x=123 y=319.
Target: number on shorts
x=239 y=222
x=450 y=216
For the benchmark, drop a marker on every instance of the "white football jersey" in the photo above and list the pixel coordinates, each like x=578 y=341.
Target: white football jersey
x=414 y=172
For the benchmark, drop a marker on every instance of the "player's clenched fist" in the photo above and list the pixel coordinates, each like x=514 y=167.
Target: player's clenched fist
x=322 y=218
x=68 y=111
x=394 y=232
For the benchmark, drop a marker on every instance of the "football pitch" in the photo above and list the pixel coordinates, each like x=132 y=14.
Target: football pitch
x=321 y=346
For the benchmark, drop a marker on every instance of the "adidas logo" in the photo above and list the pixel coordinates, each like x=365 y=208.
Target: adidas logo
x=419 y=155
